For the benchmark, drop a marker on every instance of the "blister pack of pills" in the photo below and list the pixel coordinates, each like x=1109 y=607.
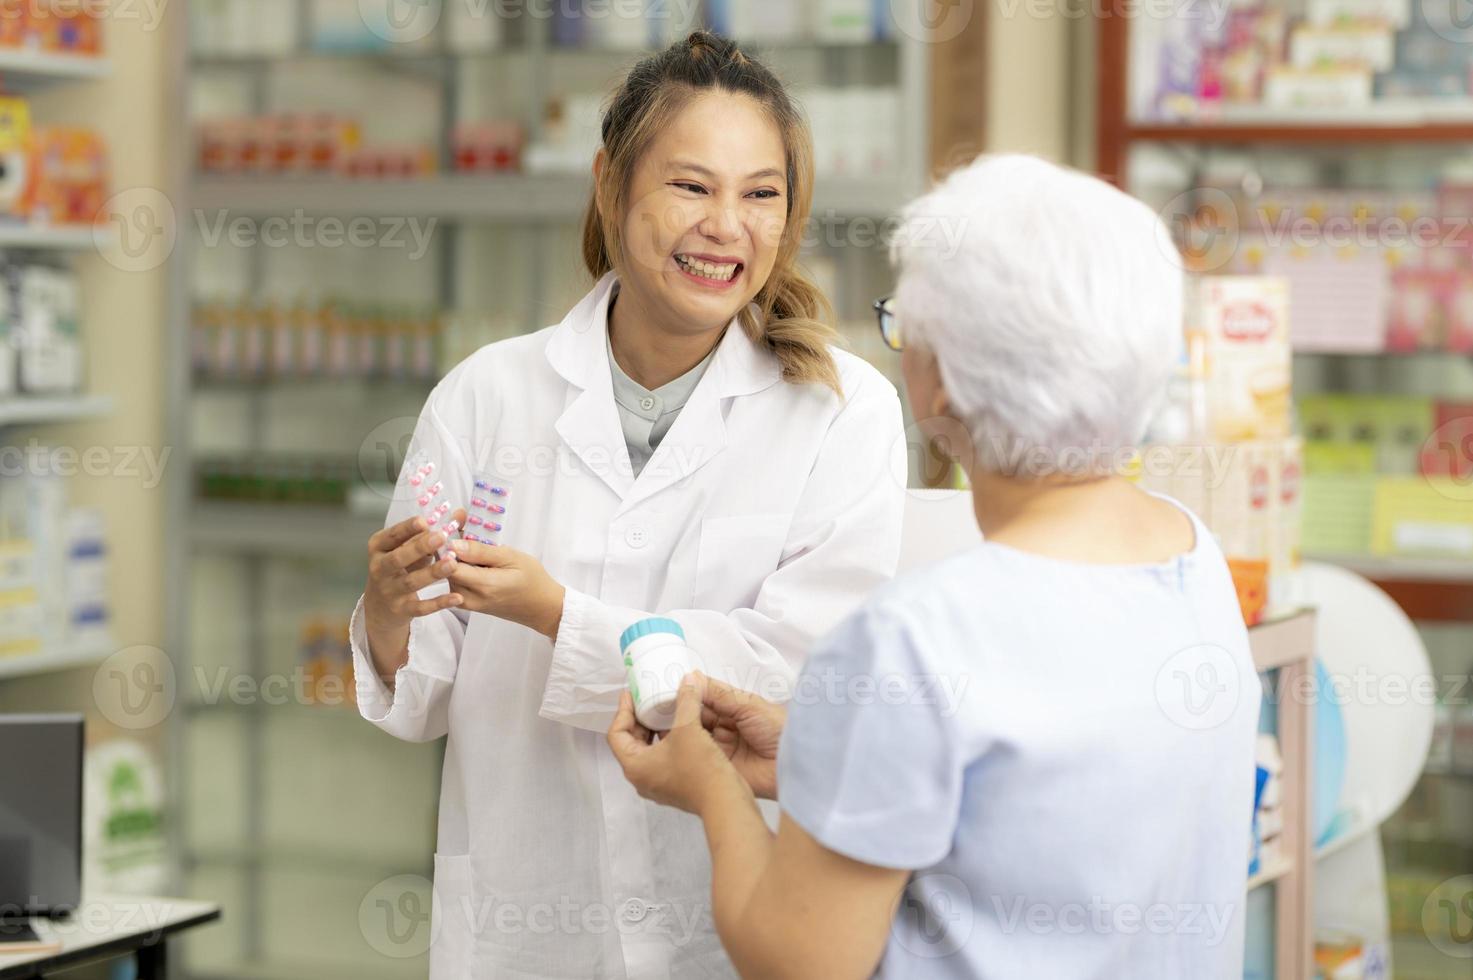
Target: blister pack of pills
x=433 y=507
x=486 y=516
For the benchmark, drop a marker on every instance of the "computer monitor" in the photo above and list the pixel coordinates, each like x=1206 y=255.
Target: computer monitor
x=40 y=815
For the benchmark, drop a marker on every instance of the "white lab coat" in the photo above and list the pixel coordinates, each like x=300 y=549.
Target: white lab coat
x=766 y=515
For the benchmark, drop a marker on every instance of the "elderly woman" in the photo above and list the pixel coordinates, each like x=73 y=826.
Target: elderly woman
x=1081 y=805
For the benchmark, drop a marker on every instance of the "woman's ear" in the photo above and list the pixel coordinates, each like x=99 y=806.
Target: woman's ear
x=598 y=165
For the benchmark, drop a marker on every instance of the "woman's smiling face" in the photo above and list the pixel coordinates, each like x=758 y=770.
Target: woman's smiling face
x=707 y=206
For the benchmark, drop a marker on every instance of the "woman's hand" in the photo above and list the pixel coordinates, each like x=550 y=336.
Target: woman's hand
x=508 y=584
x=747 y=728
x=401 y=562
x=685 y=767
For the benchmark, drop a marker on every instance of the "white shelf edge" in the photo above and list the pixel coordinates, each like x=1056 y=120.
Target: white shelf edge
x=49 y=660
x=19 y=410
x=1271 y=872
x=17 y=234
x=1283 y=640
x=51 y=66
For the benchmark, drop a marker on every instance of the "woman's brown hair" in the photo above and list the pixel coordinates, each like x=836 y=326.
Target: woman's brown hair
x=794 y=314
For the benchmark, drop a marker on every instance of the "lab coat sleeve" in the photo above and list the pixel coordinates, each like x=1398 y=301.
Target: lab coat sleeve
x=843 y=541
x=417 y=709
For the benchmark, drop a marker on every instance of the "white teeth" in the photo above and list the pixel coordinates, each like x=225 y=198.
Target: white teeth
x=708 y=270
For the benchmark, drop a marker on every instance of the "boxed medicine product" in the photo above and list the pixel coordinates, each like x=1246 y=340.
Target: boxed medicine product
x=1238 y=330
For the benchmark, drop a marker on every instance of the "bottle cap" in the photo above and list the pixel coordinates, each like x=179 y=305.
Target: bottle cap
x=654 y=624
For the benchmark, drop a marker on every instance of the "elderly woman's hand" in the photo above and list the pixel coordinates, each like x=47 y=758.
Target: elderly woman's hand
x=747 y=728
x=685 y=767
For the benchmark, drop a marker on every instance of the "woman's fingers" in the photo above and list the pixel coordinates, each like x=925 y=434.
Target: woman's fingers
x=393 y=536
x=418 y=547
x=688 y=701
x=428 y=574
x=426 y=607
x=480 y=553
x=626 y=735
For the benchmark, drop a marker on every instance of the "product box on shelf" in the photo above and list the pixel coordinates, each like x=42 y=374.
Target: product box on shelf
x=1422 y=515
x=62 y=26
x=1317 y=88
x=15 y=150
x=1362 y=46
x=1240 y=326
x=1448 y=450
x=1242 y=516
x=47 y=314
x=68 y=176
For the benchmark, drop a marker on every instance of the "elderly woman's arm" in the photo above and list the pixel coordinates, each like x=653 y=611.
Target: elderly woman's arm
x=784 y=906
x=788 y=906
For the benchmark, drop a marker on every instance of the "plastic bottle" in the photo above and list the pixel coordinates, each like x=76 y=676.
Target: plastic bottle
x=656 y=659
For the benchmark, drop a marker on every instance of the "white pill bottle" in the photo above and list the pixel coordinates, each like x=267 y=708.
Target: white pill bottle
x=656 y=660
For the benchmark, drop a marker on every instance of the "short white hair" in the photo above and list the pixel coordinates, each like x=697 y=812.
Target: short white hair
x=1053 y=304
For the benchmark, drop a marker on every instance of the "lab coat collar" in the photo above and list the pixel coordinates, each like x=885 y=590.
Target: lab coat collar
x=578 y=351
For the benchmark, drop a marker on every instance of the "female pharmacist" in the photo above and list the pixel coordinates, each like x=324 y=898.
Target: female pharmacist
x=1081 y=805
x=686 y=442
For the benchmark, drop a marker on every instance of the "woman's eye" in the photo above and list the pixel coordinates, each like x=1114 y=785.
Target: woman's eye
x=765 y=194
x=685 y=186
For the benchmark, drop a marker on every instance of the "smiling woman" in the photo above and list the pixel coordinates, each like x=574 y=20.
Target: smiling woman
x=717 y=463
x=702 y=187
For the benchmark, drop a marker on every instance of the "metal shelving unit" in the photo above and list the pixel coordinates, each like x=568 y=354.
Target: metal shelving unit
x=260 y=538
x=23 y=71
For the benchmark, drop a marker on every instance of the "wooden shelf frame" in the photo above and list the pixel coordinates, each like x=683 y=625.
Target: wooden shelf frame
x=1286 y=645
x=1116 y=131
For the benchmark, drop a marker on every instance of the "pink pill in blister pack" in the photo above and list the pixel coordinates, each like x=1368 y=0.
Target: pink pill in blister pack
x=479 y=523
x=434 y=510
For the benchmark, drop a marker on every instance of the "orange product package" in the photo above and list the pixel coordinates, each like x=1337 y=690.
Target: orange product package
x=69 y=176
x=60 y=26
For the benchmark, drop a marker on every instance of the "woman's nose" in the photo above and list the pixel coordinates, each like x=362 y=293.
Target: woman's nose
x=722 y=222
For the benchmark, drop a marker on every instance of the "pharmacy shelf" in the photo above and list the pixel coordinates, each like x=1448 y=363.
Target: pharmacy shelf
x=1402 y=569
x=1282 y=641
x=508 y=197
x=64 y=408
x=23 y=69
x=52 y=659
x=298 y=858
x=74 y=238
x=1270 y=872
x=296 y=530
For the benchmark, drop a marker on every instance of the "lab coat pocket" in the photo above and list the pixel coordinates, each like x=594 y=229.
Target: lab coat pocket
x=452 y=941
x=736 y=556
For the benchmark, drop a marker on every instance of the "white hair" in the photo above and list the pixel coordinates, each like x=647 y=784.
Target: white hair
x=1053 y=304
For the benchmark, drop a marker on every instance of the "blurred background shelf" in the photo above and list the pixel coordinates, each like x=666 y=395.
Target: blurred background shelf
x=297 y=530
x=64 y=408
x=23 y=69
x=509 y=197
x=58 y=237
x=63 y=656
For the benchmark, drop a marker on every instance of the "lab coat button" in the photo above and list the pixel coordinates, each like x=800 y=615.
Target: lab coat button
x=636 y=536
x=634 y=910
x=646 y=403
